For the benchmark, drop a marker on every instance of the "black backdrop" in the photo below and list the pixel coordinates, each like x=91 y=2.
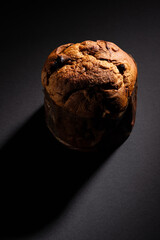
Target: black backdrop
x=47 y=191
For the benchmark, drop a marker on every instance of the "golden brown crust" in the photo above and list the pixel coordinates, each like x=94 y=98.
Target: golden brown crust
x=90 y=78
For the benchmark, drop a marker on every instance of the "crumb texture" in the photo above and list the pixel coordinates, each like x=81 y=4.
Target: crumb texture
x=90 y=78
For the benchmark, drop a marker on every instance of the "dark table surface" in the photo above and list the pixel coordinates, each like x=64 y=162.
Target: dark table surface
x=49 y=192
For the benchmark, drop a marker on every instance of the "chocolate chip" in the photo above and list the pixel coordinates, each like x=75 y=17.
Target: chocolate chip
x=121 y=68
x=58 y=63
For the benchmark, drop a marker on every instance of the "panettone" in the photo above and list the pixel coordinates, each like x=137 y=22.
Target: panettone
x=90 y=93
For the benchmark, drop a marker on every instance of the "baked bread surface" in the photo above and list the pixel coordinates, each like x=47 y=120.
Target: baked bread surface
x=92 y=78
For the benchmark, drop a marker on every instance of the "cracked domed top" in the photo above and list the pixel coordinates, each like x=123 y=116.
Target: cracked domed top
x=92 y=78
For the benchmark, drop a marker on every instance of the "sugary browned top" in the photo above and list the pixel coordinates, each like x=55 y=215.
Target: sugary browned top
x=90 y=78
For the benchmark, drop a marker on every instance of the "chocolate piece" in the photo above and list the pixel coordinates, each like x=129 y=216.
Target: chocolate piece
x=58 y=63
x=121 y=68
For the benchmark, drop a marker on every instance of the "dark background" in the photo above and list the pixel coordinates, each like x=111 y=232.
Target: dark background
x=47 y=191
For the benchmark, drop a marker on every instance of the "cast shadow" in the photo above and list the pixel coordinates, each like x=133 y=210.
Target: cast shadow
x=39 y=176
